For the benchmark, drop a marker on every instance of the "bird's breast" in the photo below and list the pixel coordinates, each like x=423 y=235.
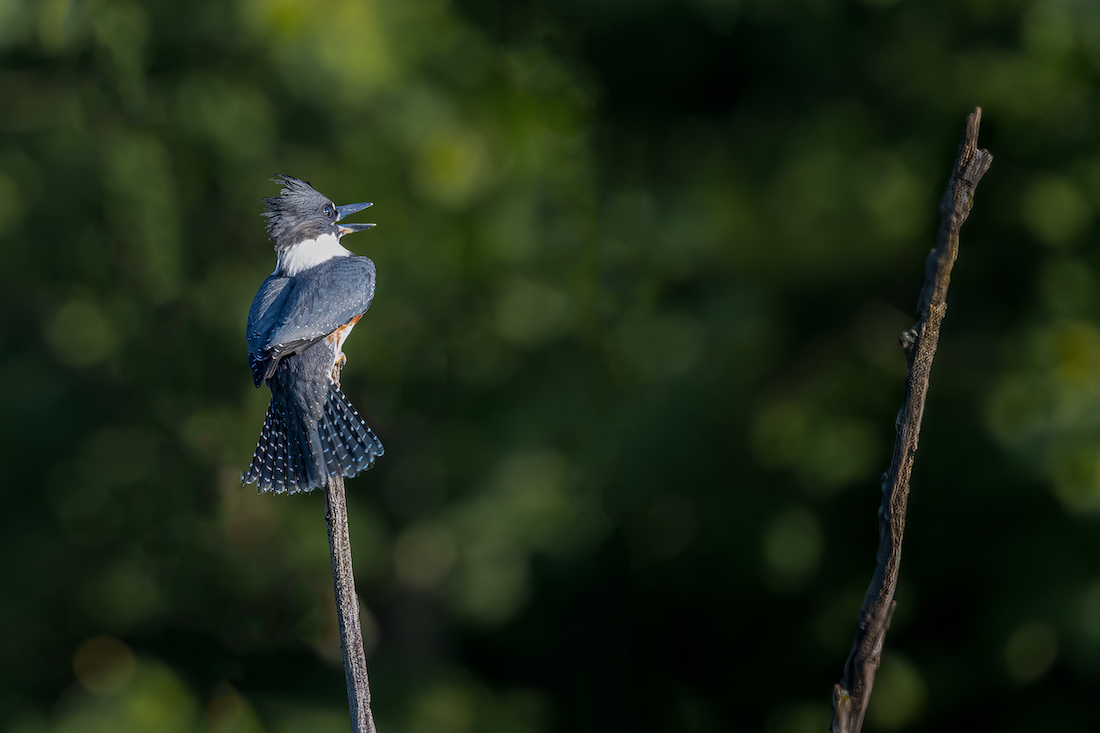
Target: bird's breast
x=336 y=338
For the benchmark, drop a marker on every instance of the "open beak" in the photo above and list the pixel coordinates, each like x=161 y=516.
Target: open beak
x=345 y=210
x=349 y=228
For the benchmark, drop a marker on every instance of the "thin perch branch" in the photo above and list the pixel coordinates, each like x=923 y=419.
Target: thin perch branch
x=347 y=602
x=853 y=692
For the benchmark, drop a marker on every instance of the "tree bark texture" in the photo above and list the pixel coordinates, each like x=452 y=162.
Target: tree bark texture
x=852 y=694
x=347 y=602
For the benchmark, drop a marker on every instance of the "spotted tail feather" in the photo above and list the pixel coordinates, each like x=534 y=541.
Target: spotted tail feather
x=286 y=457
x=283 y=461
x=347 y=443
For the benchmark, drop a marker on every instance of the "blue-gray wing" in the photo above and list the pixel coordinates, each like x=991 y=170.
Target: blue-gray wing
x=263 y=318
x=316 y=303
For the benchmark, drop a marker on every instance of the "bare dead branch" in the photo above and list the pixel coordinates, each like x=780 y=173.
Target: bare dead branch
x=347 y=603
x=853 y=692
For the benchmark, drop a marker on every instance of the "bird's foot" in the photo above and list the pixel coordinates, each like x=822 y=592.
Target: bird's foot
x=338 y=365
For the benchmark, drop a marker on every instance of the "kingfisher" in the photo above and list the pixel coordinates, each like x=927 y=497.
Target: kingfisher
x=296 y=329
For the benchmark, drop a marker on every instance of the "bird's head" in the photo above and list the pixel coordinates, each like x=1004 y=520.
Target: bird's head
x=300 y=213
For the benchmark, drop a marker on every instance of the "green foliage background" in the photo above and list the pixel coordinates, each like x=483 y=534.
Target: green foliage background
x=633 y=355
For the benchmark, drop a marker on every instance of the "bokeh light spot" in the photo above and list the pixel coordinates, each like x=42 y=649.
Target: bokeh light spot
x=444 y=710
x=792 y=547
x=826 y=451
x=1056 y=210
x=154 y=699
x=1019 y=407
x=892 y=194
x=1075 y=473
x=228 y=712
x=1030 y=651
x=453 y=165
x=80 y=333
x=122 y=597
x=1090 y=611
x=284 y=18
x=530 y=313
x=494 y=584
x=1076 y=351
x=1067 y=287
x=104 y=664
x=900 y=693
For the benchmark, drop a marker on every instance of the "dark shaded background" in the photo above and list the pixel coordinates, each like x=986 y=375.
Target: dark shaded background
x=633 y=355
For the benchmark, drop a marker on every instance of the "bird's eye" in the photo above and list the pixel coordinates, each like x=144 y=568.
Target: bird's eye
x=328 y=210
